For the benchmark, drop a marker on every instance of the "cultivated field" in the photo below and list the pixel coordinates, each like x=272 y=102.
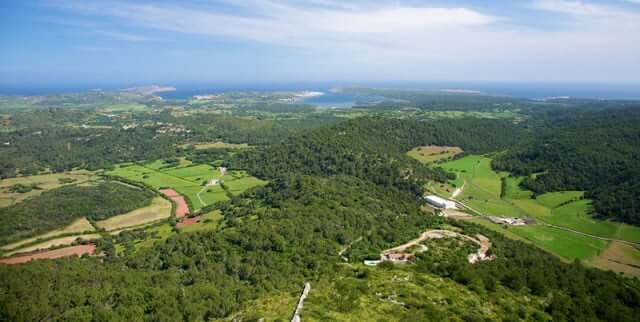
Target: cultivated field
x=81 y=225
x=189 y=180
x=62 y=241
x=182 y=209
x=433 y=153
x=562 y=243
x=159 y=209
x=56 y=253
x=483 y=192
x=43 y=183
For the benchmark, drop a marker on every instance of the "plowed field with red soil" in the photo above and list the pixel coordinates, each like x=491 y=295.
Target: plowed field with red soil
x=182 y=207
x=187 y=222
x=56 y=253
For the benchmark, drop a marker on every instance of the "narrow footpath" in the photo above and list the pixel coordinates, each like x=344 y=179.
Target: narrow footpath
x=303 y=296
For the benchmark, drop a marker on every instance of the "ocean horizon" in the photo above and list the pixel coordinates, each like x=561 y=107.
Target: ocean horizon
x=525 y=90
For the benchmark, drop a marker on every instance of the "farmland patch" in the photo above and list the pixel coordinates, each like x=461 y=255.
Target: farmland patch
x=200 y=185
x=52 y=254
x=62 y=241
x=182 y=209
x=499 y=194
x=81 y=225
x=159 y=209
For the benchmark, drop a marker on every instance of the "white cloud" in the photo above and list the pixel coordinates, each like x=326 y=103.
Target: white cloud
x=375 y=39
x=283 y=22
x=571 y=7
x=123 y=35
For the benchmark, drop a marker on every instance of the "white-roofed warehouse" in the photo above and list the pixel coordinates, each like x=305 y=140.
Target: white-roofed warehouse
x=440 y=202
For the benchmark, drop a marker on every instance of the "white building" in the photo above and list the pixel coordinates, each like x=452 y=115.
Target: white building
x=440 y=202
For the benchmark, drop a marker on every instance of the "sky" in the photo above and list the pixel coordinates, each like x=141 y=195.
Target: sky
x=227 y=41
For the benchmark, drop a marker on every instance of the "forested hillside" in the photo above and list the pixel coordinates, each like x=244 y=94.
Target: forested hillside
x=210 y=274
x=594 y=151
x=373 y=148
x=294 y=236
x=62 y=148
x=332 y=185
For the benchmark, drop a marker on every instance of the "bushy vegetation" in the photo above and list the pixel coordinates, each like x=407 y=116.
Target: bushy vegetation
x=59 y=207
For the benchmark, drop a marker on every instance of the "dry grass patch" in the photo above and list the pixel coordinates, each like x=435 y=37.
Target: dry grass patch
x=433 y=153
x=62 y=241
x=159 y=209
x=81 y=225
x=619 y=257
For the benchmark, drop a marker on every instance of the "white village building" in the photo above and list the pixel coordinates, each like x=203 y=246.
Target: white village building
x=440 y=202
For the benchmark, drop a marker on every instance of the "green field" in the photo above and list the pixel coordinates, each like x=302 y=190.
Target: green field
x=208 y=221
x=562 y=243
x=482 y=185
x=189 y=180
x=483 y=192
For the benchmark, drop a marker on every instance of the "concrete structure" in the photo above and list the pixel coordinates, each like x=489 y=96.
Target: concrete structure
x=440 y=202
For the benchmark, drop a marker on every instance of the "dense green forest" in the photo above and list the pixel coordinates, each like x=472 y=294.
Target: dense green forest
x=59 y=207
x=596 y=151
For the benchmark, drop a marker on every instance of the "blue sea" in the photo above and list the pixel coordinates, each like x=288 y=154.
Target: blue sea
x=528 y=90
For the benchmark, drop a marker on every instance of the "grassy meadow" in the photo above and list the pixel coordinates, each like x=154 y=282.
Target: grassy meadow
x=483 y=191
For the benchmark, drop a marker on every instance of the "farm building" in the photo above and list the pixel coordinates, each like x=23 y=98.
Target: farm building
x=507 y=221
x=440 y=202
